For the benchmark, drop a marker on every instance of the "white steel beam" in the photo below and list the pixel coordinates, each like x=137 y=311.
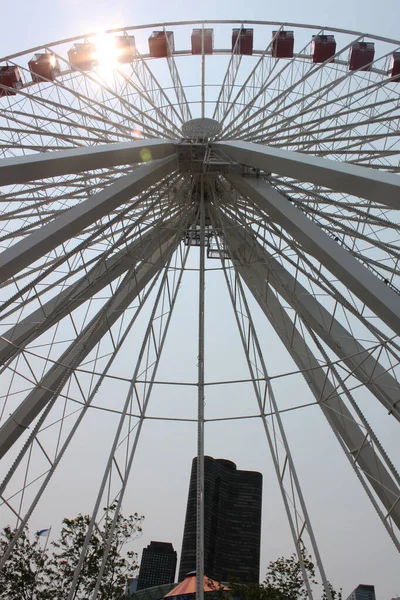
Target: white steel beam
x=354 y=355
x=371 y=184
x=176 y=80
x=333 y=407
x=52 y=382
x=74 y=220
x=382 y=301
x=103 y=273
x=62 y=162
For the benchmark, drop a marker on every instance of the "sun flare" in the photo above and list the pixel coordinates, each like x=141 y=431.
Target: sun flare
x=106 y=54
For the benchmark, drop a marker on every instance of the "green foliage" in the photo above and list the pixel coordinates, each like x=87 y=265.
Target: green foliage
x=335 y=595
x=27 y=574
x=283 y=581
x=254 y=591
x=285 y=575
x=33 y=573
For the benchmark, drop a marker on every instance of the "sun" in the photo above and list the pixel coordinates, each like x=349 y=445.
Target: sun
x=106 y=54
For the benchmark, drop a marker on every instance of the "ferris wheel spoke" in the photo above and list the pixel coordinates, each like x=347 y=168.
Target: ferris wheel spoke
x=68 y=224
x=321 y=103
x=34 y=403
x=336 y=133
x=349 y=238
x=344 y=78
x=315 y=276
x=259 y=276
x=256 y=78
x=66 y=125
x=337 y=176
x=377 y=479
x=382 y=300
x=317 y=128
x=337 y=226
x=359 y=360
x=127 y=235
x=57 y=195
x=278 y=76
x=89 y=112
x=288 y=480
x=89 y=399
x=100 y=98
x=104 y=272
x=28 y=168
x=344 y=117
x=276 y=105
x=159 y=99
x=37 y=125
x=39 y=427
x=307 y=194
x=221 y=109
x=146 y=367
x=149 y=110
x=290 y=287
x=25 y=295
x=161 y=214
x=365 y=145
x=183 y=104
x=69 y=138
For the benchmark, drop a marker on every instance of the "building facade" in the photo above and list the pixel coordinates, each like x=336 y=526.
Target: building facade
x=158 y=565
x=232 y=522
x=363 y=592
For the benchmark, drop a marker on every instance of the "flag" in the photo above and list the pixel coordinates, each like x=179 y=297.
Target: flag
x=42 y=532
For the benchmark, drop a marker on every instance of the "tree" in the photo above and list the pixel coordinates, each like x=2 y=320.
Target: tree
x=26 y=575
x=285 y=575
x=335 y=595
x=283 y=581
x=118 y=568
x=253 y=591
x=32 y=573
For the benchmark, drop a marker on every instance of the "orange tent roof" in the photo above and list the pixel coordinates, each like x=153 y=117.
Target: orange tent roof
x=188 y=586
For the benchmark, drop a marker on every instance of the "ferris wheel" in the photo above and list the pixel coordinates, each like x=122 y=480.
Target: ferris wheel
x=267 y=152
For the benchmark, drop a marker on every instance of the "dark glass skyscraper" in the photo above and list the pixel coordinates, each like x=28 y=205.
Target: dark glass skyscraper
x=158 y=565
x=363 y=592
x=232 y=522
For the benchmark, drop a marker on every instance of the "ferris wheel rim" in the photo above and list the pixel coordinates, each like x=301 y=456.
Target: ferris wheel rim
x=205 y=22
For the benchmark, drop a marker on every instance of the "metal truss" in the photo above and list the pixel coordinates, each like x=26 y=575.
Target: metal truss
x=381 y=299
x=179 y=89
x=277 y=440
x=147 y=364
x=42 y=166
x=222 y=107
x=295 y=201
x=263 y=276
x=82 y=215
x=341 y=177
x=355 y=356
x=84 y=343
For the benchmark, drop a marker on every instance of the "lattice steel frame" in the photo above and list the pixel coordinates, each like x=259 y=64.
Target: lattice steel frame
x=264 y=192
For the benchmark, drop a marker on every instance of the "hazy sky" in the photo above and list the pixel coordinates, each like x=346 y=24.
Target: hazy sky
x=354 y=547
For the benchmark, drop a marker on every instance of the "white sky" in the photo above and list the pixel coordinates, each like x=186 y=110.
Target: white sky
x=354 y=547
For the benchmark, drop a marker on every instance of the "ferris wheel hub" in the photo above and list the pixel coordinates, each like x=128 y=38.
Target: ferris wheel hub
x=201 y=129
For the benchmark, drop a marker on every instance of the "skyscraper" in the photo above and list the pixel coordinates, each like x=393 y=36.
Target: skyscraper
x=232 y=522
x=363 y=592
x=158 y=565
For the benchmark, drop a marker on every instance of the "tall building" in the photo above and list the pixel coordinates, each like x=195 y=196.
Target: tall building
x=363 y=592
x=158 y=565
x=232 y=522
